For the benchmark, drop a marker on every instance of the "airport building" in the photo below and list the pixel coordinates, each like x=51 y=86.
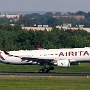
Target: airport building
x=69 y=27
x=37 y=28
x=11 y=15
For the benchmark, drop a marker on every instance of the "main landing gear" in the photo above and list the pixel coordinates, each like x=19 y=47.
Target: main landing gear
x=46 y=70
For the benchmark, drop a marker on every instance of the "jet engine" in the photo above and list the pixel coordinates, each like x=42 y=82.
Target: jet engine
x=63 y=63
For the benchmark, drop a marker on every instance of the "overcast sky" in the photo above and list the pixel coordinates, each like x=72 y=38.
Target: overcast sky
x=45 y=5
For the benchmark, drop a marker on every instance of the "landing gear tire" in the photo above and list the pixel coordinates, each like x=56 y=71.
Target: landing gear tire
x=41 y=70
x=46 y=70
x=51 y=68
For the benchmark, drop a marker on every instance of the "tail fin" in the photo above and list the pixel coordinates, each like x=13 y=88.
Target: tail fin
x=39 y=47
x=1 y=57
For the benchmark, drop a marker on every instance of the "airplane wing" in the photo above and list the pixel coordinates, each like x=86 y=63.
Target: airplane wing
x=29 y=58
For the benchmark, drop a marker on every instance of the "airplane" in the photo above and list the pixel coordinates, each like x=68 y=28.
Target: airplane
x=52 y=57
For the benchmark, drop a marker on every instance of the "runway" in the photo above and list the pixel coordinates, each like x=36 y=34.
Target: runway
x=32 y=74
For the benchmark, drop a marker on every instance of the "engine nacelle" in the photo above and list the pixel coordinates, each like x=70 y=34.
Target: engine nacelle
x=63 y=63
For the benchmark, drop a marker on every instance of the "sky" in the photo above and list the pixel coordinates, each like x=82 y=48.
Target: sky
x=45 y=5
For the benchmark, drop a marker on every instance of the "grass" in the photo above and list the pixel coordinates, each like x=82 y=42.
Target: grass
x=44 y=83
x=82 y=68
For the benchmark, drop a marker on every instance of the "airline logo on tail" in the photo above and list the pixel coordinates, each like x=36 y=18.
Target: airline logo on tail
x=1 y=57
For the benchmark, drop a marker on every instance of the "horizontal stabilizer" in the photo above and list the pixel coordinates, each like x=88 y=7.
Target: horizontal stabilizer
x=6 y=52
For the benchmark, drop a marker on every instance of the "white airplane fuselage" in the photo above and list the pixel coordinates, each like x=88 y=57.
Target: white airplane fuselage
x=73 y=55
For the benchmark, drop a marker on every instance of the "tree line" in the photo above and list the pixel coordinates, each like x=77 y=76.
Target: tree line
x=14 y=38
x=48 y=19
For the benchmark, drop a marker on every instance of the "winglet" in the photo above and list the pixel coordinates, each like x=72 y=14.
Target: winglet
x=39 y=47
